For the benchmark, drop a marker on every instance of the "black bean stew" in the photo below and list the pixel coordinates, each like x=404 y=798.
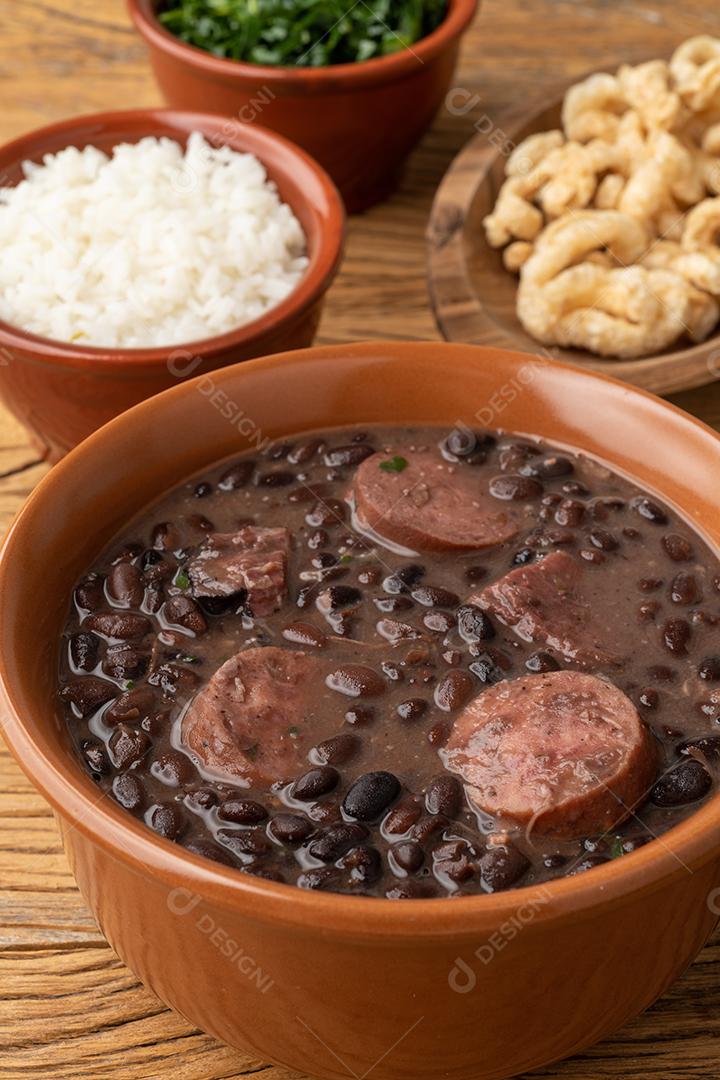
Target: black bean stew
x=394 y=663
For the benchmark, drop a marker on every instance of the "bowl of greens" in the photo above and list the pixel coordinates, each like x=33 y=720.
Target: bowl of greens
x=356 y=86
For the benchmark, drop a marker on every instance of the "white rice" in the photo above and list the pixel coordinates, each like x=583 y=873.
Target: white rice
x=152 y=247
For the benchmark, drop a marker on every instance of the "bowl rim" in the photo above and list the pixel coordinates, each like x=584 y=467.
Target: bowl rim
x=320 y=79
x=688 y=846
x=252 y=138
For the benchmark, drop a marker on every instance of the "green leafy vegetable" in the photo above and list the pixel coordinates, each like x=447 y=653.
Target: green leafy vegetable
x=301 y=33
x=182 y=580
x=617 y=849
x=394 y=464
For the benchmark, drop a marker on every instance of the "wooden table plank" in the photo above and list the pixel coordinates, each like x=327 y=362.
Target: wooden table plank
x=68 y=1007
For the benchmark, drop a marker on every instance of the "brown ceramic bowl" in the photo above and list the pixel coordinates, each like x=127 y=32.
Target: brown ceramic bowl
x=474 y=988
x=359 y=120
x=62 y=392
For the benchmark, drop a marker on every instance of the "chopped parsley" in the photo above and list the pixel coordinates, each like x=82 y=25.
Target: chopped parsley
x=182 y=580
x=394 y=464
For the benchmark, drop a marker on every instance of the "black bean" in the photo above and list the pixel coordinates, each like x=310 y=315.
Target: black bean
x=501 y=866
x=540 y=662
x=706 y=746
x=509 y=486
x=709 y=669
x=175 y=680
x=321 y=877
x=168 y=820
x=455 y=870
x=173 y=768
x=686 y=783
x=364 y=864
x=412 y=709
x=202 y=799
x=125 y=661
x=125 y=585
x=184 y=611
x=94 y=753
x=570 y=513
x=336 y=840
x=122 y=626
x=237 y=476
x=290 y=829
x=314 y=783
x=486 y=670
x=393 y=603
x=355 y=680
x=276 y=478
x=131 y=707
x=408 y=855
x=454 y=691
x=677 y=547
x=403 y=816
x=242 y=811
x=129 y=791
x=84 y=651
x=127 y=746
x=676 y=634
x=339 y=596
x=444 y=795
x=474 y=624
x=341 y=456
x=371 y=795
x=164 y=537
x=685 y=590
x=246 y=843
x=327 y=513
x=429 y=596
x=601 y=538
x=649 y=510
x=649 y=698
x=208 y=850
x=89 y=594
x=429 y=826
x=548 y=468
x=337 y=750
x=88 y=694
x=403 y=579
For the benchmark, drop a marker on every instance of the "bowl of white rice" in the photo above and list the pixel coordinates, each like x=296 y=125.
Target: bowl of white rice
x=140 y=248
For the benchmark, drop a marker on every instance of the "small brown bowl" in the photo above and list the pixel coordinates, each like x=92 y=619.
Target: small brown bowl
x=62 y=392
x=471 y=988
x=359 y=120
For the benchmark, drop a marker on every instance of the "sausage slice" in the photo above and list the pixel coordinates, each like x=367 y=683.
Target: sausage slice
x=248 y=724
x=551 y=602
x=564 y=753
x=252 y=561
x=427 y=504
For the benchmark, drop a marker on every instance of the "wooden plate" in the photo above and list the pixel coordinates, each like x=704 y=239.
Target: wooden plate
x=473 y=295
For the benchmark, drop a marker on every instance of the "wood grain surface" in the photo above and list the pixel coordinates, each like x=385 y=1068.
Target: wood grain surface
x=68 y=1007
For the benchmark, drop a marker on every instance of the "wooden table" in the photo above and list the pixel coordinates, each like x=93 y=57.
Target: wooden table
x=68 y=1006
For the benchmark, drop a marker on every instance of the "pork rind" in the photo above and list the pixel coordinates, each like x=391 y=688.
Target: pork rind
x=608 y=221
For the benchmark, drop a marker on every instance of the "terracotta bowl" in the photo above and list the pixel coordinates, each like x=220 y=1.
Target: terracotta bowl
x=62 y=392
x=474 y=988
x=359 y=120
